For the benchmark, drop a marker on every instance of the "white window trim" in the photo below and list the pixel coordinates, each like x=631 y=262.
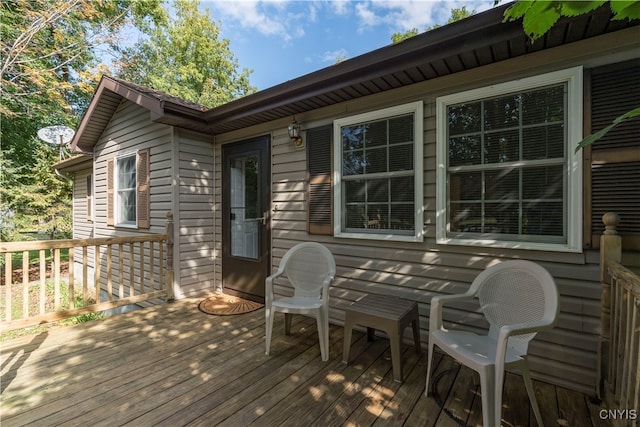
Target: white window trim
x=573 y=78
x=116 y=200
x=417 y=109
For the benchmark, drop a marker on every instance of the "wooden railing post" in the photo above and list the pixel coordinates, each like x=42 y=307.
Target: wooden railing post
x=169 y=277
x=610 y=250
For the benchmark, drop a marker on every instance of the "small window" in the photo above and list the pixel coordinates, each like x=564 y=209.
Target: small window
x=128 y=190
x=508 y=175
x=125 y=190
x=378 y=174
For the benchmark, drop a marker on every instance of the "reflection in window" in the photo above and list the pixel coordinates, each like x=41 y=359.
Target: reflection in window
x=506 y=166
x=126 y=190
x=378 y=175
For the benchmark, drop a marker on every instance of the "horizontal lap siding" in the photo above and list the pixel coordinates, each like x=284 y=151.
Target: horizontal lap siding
x=82 y=227
x=418 y=271
x=131 y=129
x=195 y=222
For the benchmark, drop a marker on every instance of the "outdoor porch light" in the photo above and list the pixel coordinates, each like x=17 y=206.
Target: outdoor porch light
x=294 y=134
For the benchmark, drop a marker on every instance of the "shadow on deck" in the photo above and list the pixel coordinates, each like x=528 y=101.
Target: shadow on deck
x=173 y=365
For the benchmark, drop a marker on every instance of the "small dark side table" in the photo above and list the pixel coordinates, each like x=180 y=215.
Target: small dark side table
x=385 y=313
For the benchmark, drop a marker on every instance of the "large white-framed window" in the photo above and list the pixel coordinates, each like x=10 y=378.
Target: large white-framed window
x=507 y=172
x=125 y=190
x=378 y=174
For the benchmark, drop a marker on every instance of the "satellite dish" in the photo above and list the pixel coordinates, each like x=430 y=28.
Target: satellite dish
x=56 y=135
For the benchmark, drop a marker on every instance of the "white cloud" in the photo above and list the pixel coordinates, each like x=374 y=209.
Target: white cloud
x=403 y=15
x=333 y=55
x=267 y=18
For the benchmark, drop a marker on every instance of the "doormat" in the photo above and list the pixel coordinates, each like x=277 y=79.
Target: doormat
x=226 y=305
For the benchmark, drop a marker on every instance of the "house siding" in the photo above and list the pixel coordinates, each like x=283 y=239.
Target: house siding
x=131 y=129
x=196 y=198
x=566 y=355
x=82 y=227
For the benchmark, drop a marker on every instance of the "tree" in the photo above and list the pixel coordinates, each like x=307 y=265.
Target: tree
x=50 y=64
x=185 y=57
x=457 y=14
x=538 y=16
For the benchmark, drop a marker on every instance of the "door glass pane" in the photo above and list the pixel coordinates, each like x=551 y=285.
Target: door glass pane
x=245 y=206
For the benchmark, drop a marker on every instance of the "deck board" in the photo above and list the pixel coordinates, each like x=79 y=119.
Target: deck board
x=172 y=365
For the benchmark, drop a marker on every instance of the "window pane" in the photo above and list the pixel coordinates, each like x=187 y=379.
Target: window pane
x=543 y=142
x=355 y=191
x=352 y=137
x=376 y=160
x=501 y=113
x=402 y=216
x=502 y=147
x=543 y=183
x=127 y=206
x=502 y=217
x=376 y=133
x=543 y=105
x=353 y=162
x=401 y=157
x=401 y=129
x=464 y=118
x=355 y=216
x=502 y=184
x=127 y=172
x=378 y=190
x=543 y=219
x=466 y=217
x=402 y=189
x=378 y=216
x=464 y=150
x=465 y=186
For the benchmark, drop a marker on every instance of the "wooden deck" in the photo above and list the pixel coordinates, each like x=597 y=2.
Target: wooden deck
x=172 y=365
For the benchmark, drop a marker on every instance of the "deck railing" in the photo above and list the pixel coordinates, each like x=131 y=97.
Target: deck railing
x=619 y=352
x=115 y=271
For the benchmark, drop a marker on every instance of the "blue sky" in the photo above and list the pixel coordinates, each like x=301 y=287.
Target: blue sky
x=281 y=40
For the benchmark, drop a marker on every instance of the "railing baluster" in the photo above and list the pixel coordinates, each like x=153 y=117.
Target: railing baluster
x=71 y=272
x=152 y=285
x=8 y=283
x=85 y=275
x=131 y=275
x=142 y=269
x=25 y=284
x=109 y=280
x=43 y=279
x=120 y=271
x=56 y=277
x=96 y=272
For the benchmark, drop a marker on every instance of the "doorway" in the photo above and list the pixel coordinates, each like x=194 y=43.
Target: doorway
x=246 y=200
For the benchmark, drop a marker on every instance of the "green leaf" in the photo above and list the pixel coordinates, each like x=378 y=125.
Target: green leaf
x=625 y=9
x=602 y=132
x=576 y=8
x=539 y=19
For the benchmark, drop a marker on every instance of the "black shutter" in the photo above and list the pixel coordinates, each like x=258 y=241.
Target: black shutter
x=615 y=159
x=319 y=180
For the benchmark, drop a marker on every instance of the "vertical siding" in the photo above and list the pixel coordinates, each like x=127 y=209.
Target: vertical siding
x=195 y=220
x=129 y=129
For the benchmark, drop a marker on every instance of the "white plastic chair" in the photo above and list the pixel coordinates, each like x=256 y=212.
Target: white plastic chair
x=518 y=298
x=310 y=268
